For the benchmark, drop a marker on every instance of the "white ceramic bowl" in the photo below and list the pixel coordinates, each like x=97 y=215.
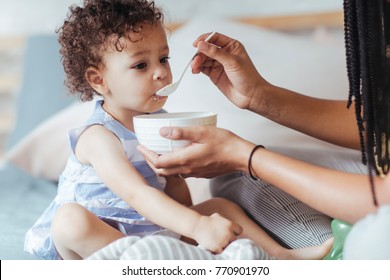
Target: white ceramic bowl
x=147 y=128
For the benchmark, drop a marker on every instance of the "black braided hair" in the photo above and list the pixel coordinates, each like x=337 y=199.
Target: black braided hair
x=367 y=42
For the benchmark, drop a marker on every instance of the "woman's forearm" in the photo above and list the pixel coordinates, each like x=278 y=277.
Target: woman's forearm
x=332 y=192
x=328 y=120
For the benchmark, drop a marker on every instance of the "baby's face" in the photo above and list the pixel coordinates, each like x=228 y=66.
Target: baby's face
x=135 y=74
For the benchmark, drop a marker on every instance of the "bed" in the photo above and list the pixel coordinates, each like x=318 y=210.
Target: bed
x=310 y=62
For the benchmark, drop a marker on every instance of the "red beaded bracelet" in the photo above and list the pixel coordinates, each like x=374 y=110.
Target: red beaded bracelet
x=250 y=161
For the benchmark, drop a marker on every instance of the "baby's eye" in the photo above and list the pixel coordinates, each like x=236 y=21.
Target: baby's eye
x=164 y=59
x=140 y=66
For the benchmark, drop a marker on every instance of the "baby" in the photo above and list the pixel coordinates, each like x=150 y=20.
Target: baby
x=118 y=50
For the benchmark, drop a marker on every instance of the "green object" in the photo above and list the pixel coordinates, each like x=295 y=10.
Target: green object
x=340 y=231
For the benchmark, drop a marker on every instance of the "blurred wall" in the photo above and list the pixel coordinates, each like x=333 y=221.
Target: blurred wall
x=44 y=16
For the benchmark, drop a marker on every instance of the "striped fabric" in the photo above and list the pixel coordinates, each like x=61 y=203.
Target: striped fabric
x=165 y=248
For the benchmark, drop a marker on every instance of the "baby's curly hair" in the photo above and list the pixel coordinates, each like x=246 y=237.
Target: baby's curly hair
x=86 y=30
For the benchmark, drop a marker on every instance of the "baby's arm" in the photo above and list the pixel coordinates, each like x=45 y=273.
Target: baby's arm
x=103 y=150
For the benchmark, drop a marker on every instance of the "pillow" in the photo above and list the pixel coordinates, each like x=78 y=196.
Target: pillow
x=42 y=92
x=44 y=151
x=296 y=62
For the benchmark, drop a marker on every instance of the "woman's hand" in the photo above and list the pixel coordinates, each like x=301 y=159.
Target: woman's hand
x=229 y=67
x=213 y=151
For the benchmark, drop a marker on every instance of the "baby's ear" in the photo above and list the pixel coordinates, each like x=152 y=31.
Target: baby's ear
x=95 y=79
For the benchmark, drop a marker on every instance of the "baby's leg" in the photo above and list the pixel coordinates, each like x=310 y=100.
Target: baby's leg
x=254 y=232
x=77 y=232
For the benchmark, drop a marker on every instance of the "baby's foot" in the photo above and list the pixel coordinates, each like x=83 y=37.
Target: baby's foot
x=308 y=253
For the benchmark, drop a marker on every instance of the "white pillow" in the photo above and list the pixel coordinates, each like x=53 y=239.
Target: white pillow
x=44 y=151
x=296 y=62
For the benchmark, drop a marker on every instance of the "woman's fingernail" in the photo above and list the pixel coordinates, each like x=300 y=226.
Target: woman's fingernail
x=202 y=46
x=164 y=131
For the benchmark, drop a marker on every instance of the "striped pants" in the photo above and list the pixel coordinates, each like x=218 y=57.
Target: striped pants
x=289 y=221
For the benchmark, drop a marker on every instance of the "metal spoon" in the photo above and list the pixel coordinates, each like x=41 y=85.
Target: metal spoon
x=169 y=89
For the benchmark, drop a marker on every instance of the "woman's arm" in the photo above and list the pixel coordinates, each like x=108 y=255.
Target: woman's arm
x=225 y=61
x=327 y=120
x=338 y=194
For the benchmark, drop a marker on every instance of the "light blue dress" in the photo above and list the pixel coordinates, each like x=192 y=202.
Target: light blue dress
x=80 y=183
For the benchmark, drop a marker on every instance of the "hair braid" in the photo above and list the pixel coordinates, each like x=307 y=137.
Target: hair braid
x=368 y=65
x=353 y=67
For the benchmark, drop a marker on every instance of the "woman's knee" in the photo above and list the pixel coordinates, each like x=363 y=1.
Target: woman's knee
x=223 y=205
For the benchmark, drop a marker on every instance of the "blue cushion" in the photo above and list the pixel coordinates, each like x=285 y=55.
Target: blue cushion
x=42 y=92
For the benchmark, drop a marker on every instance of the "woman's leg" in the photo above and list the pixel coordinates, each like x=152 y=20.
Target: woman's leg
x=289 y=221
x=77 y=233
x=252 y=231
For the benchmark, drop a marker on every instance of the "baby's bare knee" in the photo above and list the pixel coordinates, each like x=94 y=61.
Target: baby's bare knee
x=70 y=222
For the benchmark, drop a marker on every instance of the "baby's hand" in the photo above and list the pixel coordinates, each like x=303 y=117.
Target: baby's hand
x=215 y=232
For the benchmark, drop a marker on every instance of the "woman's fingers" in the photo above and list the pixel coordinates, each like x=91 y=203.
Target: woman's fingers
x=218 y=39
x=157 y=162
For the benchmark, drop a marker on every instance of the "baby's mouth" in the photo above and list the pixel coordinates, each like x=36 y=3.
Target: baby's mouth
x=158 y=97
